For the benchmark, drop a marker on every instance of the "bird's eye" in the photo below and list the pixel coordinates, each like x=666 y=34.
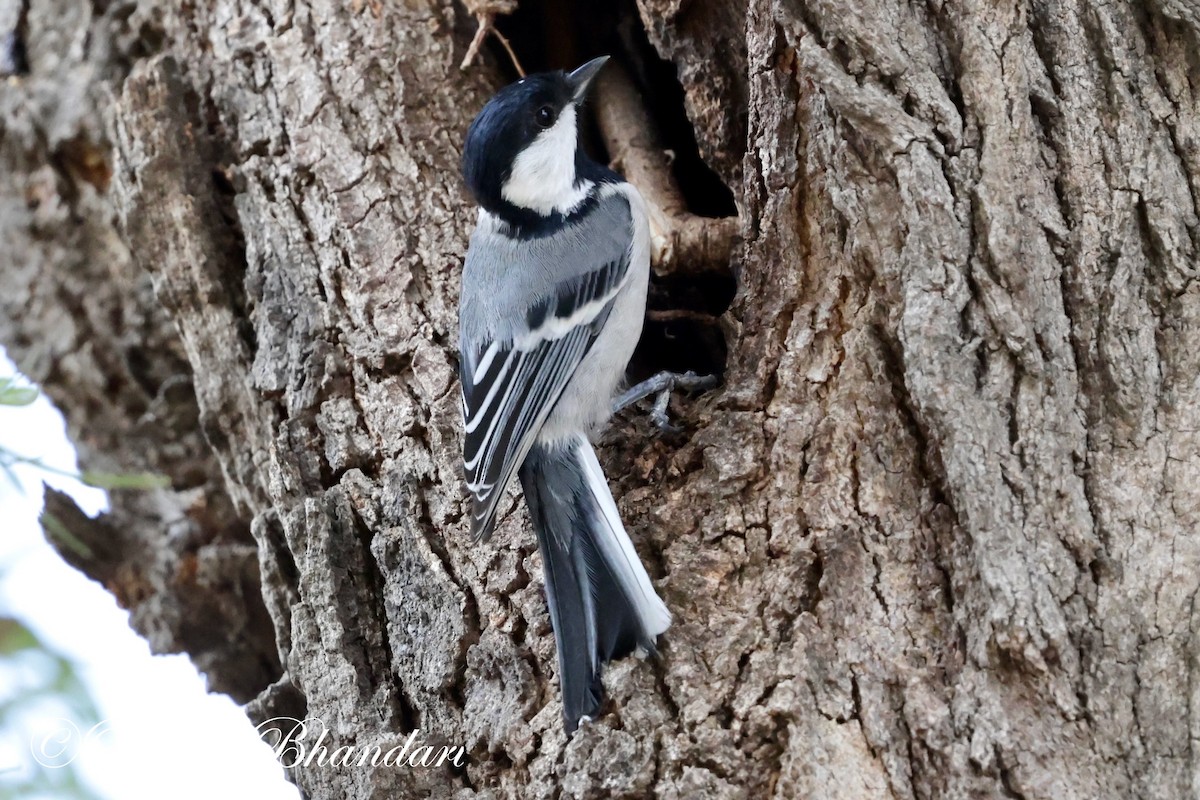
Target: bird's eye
x=544 y=116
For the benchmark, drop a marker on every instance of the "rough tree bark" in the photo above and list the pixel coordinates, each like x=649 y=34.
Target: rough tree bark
x=935 y=536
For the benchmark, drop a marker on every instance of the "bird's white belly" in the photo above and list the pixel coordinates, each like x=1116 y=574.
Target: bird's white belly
x=586 y=403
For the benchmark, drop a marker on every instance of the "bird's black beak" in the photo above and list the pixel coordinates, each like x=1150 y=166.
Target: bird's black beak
x=581 y=78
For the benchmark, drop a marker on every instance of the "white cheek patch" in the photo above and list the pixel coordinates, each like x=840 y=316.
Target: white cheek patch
x=543 y=175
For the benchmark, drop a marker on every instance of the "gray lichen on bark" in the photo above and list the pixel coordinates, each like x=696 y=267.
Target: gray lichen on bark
x=934 y=536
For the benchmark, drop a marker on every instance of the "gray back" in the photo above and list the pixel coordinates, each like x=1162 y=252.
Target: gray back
x=503 y=277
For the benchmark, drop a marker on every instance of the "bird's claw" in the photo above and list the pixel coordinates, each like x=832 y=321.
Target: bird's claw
x=663 y=384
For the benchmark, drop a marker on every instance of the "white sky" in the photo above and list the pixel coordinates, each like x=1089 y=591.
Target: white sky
x=168 y=738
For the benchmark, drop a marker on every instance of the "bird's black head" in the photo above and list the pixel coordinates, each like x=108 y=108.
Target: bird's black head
x=522 y=158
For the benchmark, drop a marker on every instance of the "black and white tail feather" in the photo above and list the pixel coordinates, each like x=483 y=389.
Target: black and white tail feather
x=553 y=298
x=602 y=604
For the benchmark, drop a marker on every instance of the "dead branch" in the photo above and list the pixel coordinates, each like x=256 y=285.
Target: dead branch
x=679 y=240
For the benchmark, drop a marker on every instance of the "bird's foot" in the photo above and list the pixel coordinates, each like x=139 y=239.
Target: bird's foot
x=662 y=385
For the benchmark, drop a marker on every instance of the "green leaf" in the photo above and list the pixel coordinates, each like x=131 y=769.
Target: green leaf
x=14 y=636
x=135 y=480
x=14 y=394
x=46 y=676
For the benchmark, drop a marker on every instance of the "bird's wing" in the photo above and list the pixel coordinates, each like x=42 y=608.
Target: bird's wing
x=510 y=386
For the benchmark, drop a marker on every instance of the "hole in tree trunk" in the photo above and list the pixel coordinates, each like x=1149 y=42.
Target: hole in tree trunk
x=682 y=331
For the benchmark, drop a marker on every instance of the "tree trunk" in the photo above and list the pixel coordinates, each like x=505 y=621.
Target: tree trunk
x=934 y=536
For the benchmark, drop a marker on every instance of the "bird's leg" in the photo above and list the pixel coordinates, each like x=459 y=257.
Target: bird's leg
x=663 y=384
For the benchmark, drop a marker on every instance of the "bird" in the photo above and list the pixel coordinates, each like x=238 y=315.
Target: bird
x=552 y=302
